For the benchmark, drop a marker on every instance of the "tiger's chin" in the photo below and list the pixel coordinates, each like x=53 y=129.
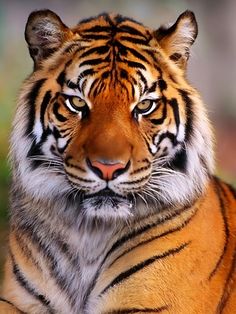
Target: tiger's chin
x=107 y=205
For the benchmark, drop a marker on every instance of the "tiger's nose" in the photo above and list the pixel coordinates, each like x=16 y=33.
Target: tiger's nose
x=107 y=170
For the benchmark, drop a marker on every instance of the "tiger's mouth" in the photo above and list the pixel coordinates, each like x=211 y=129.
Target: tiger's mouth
x=107 y=198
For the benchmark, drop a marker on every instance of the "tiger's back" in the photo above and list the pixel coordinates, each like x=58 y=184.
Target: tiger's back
x=114 y=206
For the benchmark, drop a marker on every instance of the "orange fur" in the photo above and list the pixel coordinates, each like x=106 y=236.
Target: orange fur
x=158 y=235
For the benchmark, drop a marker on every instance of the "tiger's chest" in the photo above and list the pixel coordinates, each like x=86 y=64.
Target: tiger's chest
x=160 y=266
x=163 y=269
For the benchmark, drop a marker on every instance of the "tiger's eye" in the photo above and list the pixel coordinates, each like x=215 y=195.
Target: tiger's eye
x=78 y=103
x=144 y=105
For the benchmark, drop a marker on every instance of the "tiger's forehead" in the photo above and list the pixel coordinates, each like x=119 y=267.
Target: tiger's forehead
x=113 y=50
x=110 y=25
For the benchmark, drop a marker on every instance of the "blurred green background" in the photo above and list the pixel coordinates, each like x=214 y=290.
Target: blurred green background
x=212 y=67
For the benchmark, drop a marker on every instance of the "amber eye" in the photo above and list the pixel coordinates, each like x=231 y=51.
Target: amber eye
x=145 y=107
x=75 y=104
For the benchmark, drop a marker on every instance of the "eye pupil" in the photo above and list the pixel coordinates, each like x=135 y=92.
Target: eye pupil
x=145 y=107
x=77 y=105
x=77 y=102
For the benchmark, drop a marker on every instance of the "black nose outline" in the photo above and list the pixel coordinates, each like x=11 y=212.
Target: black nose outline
x=98 y=172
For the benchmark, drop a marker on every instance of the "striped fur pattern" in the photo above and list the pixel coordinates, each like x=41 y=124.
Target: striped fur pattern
x=112 y=92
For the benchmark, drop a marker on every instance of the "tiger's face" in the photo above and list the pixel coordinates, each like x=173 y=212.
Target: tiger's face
x=109 y=117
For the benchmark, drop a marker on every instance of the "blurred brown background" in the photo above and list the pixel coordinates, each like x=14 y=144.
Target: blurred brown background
x=212 y=67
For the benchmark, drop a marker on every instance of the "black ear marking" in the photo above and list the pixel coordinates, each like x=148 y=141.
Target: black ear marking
x=44 y=33
x=177 y=39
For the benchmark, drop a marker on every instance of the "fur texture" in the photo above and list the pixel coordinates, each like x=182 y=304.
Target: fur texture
x=156 y=235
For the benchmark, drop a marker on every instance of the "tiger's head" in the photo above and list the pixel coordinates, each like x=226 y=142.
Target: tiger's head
x=107 y=121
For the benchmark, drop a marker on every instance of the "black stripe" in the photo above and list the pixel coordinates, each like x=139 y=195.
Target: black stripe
x=134 y=40
x=43 y=247
x=173 y=78
x=26 y=250
x=106 y=74
x=94 y=87
x=35 y=149
x=72 y=165
x=85 y=73
x=93 y=61
x=72 y=85
x=135 y=181
x=154 y=58
x=168 y=232
x=27 y=286
x=162 y=84
x=121 y=49
x=169 y=135
x=56 y=133
x=175 y=107
x=124 y=87
x=219 y=191
x=133 y=91
x=226 y=291
x=61 y=78
x=143 y=79
x=179 y=161
x=98 y=50
x=4 y=300
x=59 y=116
x=79 y=178
x=31 y=99
x=101 y=87
x=128 y=237
x=120 y=18
x=153 y=87
x=164 y=113
x=175 y=56
x=189 y=114
x=69 y=48
x=46 y=99
x=134 y=64
x=97 y=29
x=142 y=230
x=130 y=30
x=62 y=149
x=148 y=145
x=95 y=37
x=232 y=190
x=88 y=20
x=126 y=274
x=138 y=310
x=140 y=169
x=138 y=54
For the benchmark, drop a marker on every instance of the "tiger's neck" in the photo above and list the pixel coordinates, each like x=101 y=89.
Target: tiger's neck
x=83 y=252
x=90 y=241
x=71 y=226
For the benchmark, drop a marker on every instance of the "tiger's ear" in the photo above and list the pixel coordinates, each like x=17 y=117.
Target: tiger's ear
x=44 y=33
x=177 y=39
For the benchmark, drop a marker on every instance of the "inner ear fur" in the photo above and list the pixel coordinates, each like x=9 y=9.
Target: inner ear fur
x=177 y=39
x=44 y=34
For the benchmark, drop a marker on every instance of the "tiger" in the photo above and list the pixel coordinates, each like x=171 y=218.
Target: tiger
x=115 y=208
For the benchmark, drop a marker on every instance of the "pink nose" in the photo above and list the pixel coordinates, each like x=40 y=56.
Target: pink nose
x=108 y=171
